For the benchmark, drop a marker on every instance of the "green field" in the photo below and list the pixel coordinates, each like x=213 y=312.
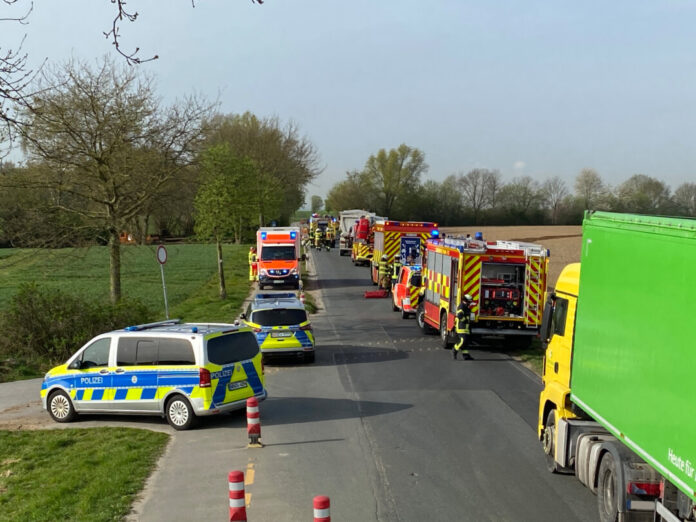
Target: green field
x=190 y=275
x=75 y=474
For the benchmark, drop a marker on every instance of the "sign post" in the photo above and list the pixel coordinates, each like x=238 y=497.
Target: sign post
x=162 y=259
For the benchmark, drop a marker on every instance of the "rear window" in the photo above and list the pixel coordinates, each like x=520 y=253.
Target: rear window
x=232 y=348
x=416 y=280
x=279 y=317
x=273 y=253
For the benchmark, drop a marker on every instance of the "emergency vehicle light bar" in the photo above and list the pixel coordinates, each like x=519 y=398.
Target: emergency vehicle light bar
x=138 y=327
x=263 y=235
x=287 y=295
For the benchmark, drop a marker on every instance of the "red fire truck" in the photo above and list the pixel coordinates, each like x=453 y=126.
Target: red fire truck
x=402 y=239
x=506 y=280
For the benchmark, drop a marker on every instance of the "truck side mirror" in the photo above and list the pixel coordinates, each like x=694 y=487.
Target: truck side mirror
x=303 y=258
x=242 y=316
x=547 y=319
x=75 y=365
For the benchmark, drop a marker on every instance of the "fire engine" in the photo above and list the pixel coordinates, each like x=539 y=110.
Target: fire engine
x=363 y=239
x=402 y=239
x=506 y=280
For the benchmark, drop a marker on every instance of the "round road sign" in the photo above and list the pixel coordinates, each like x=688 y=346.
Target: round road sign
x=161 y=254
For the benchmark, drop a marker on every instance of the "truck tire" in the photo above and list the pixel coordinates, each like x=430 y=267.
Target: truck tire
x=445 y=341
x=420 y=319
x=607 y=490
x=548 y=442
x=394 y=307
x=404 y=313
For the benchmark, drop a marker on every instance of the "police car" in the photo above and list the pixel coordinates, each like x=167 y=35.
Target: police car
x=177 y=370
x=281 y=324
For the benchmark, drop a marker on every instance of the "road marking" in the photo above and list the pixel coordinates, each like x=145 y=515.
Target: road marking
x=249 y=477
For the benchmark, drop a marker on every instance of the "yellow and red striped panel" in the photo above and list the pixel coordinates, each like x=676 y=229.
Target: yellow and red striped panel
x=471 y=279
x=535 y=278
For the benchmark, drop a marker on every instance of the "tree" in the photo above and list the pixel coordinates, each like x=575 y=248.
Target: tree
x=394 y=174
x=287 y=160
x=589 y=187
x=356 y=191
x=554 y=192
x=521 y=200
x=685 y=199
x=644 y=195
x=479 y=188
x=317 y=204
x=219 y=207
x=107 y=145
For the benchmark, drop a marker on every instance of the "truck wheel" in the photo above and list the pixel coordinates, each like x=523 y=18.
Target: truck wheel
x=548 y=442
x=607 y=490
x=394 y=307
x=444 y=334
x=404 y=313
x=60 y=407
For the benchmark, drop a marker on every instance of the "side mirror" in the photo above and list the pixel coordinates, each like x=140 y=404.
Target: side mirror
x=304 y=257
x=75 y=365
x=242 y=316
x=547 y=319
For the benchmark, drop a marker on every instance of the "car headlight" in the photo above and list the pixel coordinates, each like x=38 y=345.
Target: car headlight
x=263 y=272
x=293 y=271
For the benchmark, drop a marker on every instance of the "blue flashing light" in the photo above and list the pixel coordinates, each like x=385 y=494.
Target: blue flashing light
x=548 y=252
x=435 y=233
x=194 y=329
x=131 y=328
x=263 y=235
x=293 y=234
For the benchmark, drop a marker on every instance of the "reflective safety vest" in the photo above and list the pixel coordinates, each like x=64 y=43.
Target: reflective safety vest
x=252 y=257
x=382 y=267
x=395 y=271
x=463 y=318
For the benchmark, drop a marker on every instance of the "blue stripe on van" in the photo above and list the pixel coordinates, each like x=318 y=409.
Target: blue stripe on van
x=252 y=377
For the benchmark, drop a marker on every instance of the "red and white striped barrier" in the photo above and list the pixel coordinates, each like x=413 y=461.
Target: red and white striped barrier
x=253 y=421
x=237 y=498
x=302 y=297
x=322 y=506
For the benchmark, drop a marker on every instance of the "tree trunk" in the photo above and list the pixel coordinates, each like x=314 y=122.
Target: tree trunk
x=221 y=271
x=114 y=266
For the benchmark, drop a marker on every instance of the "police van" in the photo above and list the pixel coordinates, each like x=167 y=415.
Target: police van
x=180 y=371
x=281 y=325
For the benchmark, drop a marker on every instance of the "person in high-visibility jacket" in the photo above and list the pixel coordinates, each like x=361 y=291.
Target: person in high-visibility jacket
x=395 y=271
x=317 y=238
x=461 y=328
x=384 y=277
x=253 y=265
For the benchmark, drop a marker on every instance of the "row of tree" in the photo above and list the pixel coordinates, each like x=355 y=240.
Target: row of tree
x=390 y=184
x=105 y=157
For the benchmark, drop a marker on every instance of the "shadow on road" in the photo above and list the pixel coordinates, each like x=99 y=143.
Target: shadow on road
x=341 y=283
x=294 y=410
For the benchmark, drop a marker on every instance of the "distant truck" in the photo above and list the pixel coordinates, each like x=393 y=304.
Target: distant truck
x=278 y=256
x=617 y=407
x=363 y=239
x=506 y=280
x=404 y=240
x=346 y=223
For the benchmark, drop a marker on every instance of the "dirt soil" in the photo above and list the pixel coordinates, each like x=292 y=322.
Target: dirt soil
x=564 y=242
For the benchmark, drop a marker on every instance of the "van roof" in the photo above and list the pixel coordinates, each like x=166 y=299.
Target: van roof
x=176 y=326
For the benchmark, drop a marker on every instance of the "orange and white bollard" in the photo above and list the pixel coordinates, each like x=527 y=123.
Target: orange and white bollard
x=253 y=422
x=322 y=506
x=302 y=297
x=237 y=499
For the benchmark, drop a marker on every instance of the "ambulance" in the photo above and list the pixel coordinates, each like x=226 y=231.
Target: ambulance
x=278 y=256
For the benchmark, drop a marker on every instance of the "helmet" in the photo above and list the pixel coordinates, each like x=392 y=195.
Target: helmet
x=252 y=249
x=478 y=235
x=467 y=297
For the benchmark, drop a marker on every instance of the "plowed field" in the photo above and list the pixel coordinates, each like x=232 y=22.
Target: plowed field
x=563 y=241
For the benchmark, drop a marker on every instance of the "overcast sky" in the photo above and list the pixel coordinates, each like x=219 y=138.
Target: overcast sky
x=529 y=87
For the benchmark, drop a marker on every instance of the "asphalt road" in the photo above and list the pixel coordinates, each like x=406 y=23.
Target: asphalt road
x=385 y=423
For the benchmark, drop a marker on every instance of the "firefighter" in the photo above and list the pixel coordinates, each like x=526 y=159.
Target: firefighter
x=383 y=273
x=317 y=238
x=329 y=236
x=461 y=328
x=253 y=265
x=395 y=271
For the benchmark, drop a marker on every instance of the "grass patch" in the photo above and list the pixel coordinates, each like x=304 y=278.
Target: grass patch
x=190 y=275
x=533 y=356
x=75 y=474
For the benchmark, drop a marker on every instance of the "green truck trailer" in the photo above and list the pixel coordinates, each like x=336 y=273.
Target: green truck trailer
x=617 y=408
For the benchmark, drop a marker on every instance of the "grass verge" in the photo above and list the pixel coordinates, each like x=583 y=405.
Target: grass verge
x=532 y=357
x=75 y=474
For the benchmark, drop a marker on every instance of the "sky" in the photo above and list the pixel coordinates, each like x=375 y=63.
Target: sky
x=528 y=87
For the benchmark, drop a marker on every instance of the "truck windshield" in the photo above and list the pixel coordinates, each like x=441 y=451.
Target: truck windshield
x=416 y=280
x=274 y=253
x=279 y=317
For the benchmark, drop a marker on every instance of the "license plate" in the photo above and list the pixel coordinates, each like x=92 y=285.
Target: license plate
x=281 y=334
x=236 y=385
x=278 y=282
